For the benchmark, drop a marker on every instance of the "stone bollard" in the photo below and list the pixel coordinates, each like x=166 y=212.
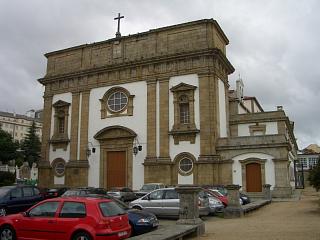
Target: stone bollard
x=267 y=192
x=234 y=209
x=189 y=210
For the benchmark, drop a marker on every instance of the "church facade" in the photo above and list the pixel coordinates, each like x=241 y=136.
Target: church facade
x=156 y=107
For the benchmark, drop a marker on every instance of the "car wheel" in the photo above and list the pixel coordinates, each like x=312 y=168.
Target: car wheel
x=82 y=236
x=137 y=207
x=3 y=212
x=7 y=233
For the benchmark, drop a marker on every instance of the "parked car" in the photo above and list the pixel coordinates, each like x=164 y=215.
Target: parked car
x=245 y=198
x=165 y=202
x=68 y=218
x=78 y=192
x=18 y=198
x=55 y=192
x=124 y=194
x=219 y=195
x=215 y=205
x=148 y=187
x=141 y=221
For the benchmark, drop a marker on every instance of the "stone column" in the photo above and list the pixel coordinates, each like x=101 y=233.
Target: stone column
x=234 y=209
x=266 y=192
x=189 y=210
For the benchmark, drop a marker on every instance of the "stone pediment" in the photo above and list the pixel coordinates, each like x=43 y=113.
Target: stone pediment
x=182 y=87
x=114 y=132
x=60 y=103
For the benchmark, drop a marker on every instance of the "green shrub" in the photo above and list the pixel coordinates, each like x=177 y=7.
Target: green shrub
x=314 y=177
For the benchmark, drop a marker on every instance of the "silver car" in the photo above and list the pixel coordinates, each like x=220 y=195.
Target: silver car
x=124 y=194
x=166 y=203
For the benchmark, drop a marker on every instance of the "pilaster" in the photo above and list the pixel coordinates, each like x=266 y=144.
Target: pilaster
x=208 y=118
x=46 y=128
x=84 y=125
x=164 y=119
x=151 y=119
x=74 y=125
x=282 y=186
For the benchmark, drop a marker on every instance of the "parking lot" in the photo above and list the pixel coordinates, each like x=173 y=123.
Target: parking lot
x=290 y=220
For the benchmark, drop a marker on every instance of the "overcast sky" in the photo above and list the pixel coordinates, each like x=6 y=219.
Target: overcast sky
x=274 y=45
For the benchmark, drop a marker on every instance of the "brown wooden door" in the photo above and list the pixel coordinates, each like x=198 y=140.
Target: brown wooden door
x=116 y=169
x=253 y=177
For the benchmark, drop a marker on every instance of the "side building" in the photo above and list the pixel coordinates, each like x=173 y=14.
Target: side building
x=18 y=125
x=156 y=107
x=308 y=158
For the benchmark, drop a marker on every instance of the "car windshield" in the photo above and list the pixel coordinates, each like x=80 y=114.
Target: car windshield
x=4 y=191
x=110 y=209
x=148 y=187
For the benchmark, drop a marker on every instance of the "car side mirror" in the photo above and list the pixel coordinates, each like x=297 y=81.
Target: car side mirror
x=25 y=214
x=148 y=197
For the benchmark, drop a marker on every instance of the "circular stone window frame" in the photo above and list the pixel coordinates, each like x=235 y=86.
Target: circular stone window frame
x=113 y=91
x=181 y=157
x=54 y=165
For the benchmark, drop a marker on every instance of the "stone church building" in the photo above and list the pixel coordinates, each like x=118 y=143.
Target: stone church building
x=156 y=107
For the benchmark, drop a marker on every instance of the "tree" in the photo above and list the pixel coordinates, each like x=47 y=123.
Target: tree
x=314 y=176
x=8 y=147
x=31 y=146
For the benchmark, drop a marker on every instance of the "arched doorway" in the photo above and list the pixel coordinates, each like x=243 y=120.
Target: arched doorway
x=253 y=177
x=116 y=156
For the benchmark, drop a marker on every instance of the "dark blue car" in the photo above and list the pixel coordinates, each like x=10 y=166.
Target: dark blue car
x=18 y=198
x=142 y=221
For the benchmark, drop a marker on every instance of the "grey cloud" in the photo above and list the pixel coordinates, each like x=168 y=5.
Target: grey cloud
x=273 y=44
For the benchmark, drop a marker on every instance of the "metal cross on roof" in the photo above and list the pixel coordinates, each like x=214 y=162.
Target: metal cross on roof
x=118 y=34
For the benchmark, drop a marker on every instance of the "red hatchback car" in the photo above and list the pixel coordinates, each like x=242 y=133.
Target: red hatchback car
x=68 y=218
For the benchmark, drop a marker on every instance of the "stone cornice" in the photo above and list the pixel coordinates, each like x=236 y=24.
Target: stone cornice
x=252 y=142
x=153 y=67
x=257 y=117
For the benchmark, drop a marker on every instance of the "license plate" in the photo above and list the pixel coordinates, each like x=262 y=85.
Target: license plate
x=155 y=224
x=121 y=234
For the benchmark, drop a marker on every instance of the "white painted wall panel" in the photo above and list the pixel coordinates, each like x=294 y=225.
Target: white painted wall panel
x=60 y=153
x=271 y=128
x=184 y=146
x=137 y=123
x=185 y=179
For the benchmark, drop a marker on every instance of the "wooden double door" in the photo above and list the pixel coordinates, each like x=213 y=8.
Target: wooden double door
x=116 y=169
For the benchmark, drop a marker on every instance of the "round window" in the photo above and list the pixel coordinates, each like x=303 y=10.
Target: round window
x=185 y=165
x=59 y=168
x=117 y=101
